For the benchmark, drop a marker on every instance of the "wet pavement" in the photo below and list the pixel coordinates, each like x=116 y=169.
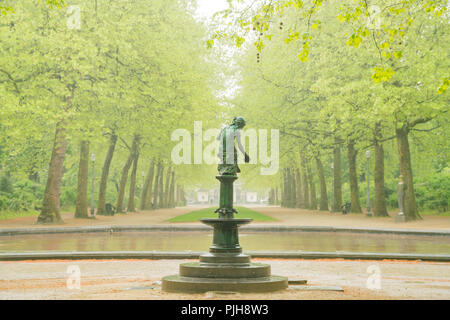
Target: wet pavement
x=140 y=279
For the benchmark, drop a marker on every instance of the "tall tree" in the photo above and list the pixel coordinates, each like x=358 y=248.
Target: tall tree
x=323 y=185
x=306 y=183
x=124 y=175
x=161 y=199
x=167 y=188
x=50 y=212
x=300 y=201
x=81 y=207
x=354 y=190
x=101 y=210
x=131 y=205
x=312 y=188
x=145 y=201
x=379 y=204
x=337 y=178
x=156 y=188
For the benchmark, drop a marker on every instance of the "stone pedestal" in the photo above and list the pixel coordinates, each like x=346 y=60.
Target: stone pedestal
x=225 y=267
x=400 y=217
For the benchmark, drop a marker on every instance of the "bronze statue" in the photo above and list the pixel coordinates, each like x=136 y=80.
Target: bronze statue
x=225 y=267
x=227 y=150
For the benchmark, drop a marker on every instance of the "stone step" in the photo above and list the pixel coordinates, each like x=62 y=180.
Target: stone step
x=226 y=271
x=178 y=283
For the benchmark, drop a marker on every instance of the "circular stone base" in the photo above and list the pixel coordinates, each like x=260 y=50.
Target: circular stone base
x=224 y=258
x=224 y=270
x=178 y=283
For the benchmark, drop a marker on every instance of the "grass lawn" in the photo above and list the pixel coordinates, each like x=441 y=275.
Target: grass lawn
x=4 y=215
x=209 y=213
x=425 y=212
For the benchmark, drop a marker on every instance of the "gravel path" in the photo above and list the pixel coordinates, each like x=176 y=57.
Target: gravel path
x=284 y=216
x=140 y=279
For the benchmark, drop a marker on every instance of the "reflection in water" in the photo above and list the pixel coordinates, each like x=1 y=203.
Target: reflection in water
x=337 y=244
x=379 y=245
x=200 y=241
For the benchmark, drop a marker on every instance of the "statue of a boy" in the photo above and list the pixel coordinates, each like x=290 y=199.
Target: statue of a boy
x=227 y=150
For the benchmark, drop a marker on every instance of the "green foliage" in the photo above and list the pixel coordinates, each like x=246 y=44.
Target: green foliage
x=382 y=22
x=4 y=215
x=132 y=67
x=135 y=67
x=343 y=92
x=22 y=196
x=6 y=185
x=433 y=192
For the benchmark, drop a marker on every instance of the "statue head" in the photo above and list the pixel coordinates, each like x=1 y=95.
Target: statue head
x=239 y=122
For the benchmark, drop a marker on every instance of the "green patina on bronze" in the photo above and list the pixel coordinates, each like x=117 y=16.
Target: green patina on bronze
x=227 y=150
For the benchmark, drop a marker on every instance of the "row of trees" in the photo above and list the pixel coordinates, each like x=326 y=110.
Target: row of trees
x=330 y=107
x=110 y=78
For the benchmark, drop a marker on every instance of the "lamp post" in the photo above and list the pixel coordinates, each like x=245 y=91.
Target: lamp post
x=93 y=185
x=400 y=217
x=143 y=179
x=368 y=213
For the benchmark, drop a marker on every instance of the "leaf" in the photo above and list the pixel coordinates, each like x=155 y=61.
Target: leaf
x=398 y=54
x=210 y=43
x=382 y=75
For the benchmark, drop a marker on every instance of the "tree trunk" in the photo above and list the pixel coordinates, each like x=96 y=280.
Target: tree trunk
x=166 y=190
x=81 y=208
x=312 y=188
x=161 y=188
x=148 y=201
x=293 y=189
x=124 y=177
x=156 y=188
x=354 y=190
x=131 y=206
x=50 y=212
x=101 y=205
x=145 y=201
x=323 y=186
x=379 y=205
x=287 y=191
x=283 y=188
x=171 y=191
x=300 y=201
x=305 y=182
x=276 y=196
x=178 y=195
x=410 y=206
x=271 y=199
x=183 y=198
x=337 y=178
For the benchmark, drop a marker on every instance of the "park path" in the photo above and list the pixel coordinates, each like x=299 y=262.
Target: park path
x=140 y=279
x=284 y=216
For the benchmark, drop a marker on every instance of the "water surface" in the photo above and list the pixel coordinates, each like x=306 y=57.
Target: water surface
x=250 y=241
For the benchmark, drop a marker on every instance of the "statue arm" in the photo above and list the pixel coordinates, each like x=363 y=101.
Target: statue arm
x=239 y=143
x=241 y=147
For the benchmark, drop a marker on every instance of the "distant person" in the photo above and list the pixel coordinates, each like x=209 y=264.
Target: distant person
x=110 y=209
x=346 y=207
